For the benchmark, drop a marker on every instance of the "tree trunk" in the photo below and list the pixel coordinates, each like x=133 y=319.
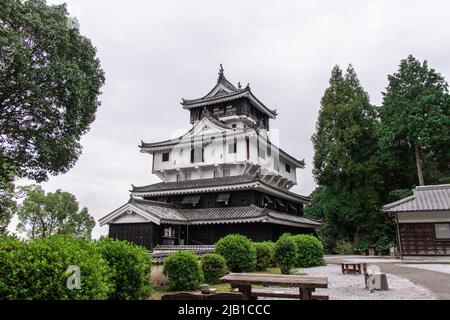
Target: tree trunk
x=419 y=165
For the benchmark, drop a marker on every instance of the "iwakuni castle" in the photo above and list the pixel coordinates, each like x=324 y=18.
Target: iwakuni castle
x=225 y=175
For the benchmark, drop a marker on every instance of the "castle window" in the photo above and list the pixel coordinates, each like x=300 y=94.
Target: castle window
x=165 y=156
x=232 y=147
x=288 y=168
x=197 y=154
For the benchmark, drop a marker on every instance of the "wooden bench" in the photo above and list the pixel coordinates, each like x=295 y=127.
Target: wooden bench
x=306 y=285
x=290 y=294
x=351 y=267
x=200 y=296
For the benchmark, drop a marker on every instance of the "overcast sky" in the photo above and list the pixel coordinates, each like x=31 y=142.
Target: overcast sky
x=156 y=52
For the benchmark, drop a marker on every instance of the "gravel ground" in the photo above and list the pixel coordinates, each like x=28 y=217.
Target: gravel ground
x=444 y=268
x=352 y=287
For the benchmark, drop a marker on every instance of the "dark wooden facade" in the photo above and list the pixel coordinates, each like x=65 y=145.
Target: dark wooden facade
x=419 y=239
x=237 y=199
x=237 y=107
x=149 y=235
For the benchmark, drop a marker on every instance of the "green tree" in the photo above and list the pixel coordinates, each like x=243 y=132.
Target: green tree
x=50 y=80
x=42 y=215
x=415 y=122
x=8 y=203
x=346 y=161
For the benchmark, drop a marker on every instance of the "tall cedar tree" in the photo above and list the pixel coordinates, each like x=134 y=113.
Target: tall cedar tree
x=50 y=80
x=415 y=122
x=346 y=161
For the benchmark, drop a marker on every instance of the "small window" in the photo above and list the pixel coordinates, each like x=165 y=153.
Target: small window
x=226 y=172
x=233 y=125
x=216 y=173
x=442 y=230
x=288 y=168
x=232 y=147
x=260 y=149
x=165 y=156
x=178 y=177
x=188 y=176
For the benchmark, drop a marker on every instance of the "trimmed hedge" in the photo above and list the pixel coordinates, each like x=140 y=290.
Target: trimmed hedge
x=265 y=254
x=36 y=270
x=214 y=267
x=183 y=270
x=132 y=266
x=285 y=253
x=238 y=251
x=309 y=251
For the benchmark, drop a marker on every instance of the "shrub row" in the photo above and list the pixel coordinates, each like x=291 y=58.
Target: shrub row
x=238 y=253
x=39 y=269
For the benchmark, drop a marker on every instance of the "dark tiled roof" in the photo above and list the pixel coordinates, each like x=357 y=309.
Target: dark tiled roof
x=228 y=214
x=208 y=214
x=222 y=95
x=161 y=210
x=167 y=214
x=425 y=198
x=197 y=183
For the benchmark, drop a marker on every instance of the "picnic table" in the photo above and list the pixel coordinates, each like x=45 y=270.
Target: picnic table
x=350 y=266
x=306 y=284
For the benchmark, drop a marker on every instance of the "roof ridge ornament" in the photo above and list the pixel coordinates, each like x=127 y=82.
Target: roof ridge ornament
x=221 y=75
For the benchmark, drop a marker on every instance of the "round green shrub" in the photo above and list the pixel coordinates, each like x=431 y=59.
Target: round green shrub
x=309 y=251
x=38 y=269
x=214 y=267
x=238 y=251
x=285 y=253
x=183 y=270
x=131 y=265
x=265 y=253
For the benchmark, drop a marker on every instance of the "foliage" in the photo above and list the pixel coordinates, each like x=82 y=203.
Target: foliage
x=131 y=265
x=49 y=87
x=346 y=163
x=238 y=251
x=183 y=270
x=42 y=215
x=309 y=251
x=384 y=244
x=286 y=253
x=265 y=254
x=399 y=194
x=38 y=269
x=8 y=203
x=414 y=122
x=344 y=247
x=214 y=267
x=361 y=246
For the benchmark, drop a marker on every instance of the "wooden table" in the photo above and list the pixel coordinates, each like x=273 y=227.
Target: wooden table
x=352 y=267
x=306 y=284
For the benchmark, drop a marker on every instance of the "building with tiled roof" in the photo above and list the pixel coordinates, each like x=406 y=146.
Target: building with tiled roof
x=225 y=175
x=423 y=221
